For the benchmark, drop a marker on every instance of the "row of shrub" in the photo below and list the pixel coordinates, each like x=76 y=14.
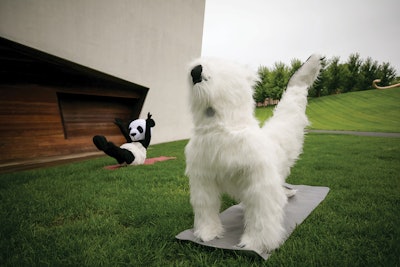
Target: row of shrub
x=355 y=74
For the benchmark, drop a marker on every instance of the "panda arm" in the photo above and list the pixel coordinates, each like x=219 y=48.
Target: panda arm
x=123 y=128
x=147 y=136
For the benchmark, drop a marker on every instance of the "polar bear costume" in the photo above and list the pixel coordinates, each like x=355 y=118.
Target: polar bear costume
x=229 y=153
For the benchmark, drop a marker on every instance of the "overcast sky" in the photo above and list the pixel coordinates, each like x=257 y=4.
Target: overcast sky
x=262 y=32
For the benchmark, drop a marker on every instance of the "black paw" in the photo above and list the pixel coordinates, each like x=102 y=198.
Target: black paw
x=100 y=142
x=150 y=121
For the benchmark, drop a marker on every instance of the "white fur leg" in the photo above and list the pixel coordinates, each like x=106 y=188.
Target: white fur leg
x=263 y=219
x=206 y=205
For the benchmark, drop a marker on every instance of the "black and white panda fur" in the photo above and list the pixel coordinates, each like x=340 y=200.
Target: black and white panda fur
x=137 y=135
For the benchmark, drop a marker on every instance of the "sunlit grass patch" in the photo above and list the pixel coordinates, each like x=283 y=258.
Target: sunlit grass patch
x=372 y=110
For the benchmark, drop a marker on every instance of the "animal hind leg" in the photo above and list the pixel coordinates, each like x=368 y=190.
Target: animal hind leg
x=120 y=154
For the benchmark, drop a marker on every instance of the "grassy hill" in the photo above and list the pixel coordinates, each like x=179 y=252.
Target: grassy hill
x=372 y=110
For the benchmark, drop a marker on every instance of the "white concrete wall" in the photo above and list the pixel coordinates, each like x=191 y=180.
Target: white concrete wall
x=148 y=42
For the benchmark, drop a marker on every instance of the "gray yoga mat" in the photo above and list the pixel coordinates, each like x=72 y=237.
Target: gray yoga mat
x=298 y=208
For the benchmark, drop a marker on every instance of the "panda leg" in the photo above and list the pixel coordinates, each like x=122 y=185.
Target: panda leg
x=120 y=154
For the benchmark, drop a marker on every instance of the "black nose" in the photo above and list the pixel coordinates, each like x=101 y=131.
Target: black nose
x=133 y=134
x=196 y=74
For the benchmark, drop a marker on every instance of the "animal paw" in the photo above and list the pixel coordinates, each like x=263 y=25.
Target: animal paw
x=100 y=142
x=307 y=73
x=150 y=121
x=289 y=192
x=206 y=234
x=257 y=245
x=248 y=245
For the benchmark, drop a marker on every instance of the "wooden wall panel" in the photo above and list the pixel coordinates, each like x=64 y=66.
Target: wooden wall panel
x=84 y=114
x=32 y=126
x=51 y=107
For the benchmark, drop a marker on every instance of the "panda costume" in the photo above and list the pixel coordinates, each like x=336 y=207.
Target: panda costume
x=138 y=137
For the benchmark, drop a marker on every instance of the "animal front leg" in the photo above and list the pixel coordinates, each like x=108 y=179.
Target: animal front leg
x=263 y=218
x=206 y=203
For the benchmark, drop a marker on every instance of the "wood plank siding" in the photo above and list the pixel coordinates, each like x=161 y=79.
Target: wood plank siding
x=51 y=108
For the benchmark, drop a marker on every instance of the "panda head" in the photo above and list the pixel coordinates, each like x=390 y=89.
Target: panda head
x=137 y=130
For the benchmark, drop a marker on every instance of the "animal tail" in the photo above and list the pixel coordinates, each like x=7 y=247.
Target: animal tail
x=286 y=126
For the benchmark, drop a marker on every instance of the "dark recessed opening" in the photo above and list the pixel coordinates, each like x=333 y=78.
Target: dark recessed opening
x=82 y=115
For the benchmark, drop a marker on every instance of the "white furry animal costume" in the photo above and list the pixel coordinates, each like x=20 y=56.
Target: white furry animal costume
x=230 y=153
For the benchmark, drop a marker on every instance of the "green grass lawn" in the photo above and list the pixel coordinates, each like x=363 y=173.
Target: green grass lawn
x=372 y=110
x=83 y=215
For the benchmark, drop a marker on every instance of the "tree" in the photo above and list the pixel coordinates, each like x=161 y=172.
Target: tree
x=279 y=78
x=368 y=73
x=272 y=82
x=317 y=89
x=295 y=64
x=333 y=79
x=260 y=90
x=386 y=74
x=353 y=66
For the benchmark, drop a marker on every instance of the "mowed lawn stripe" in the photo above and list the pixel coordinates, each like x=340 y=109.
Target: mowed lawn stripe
x=370 y=111
x=373 y=110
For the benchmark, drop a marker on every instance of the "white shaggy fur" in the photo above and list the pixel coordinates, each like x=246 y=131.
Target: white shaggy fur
x=230 y=153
